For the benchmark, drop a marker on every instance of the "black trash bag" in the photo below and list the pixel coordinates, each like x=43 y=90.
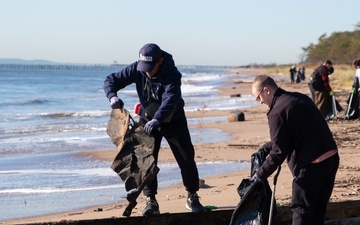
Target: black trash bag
x=254 y=206
x=134 y=163
x=135 y=158
x=258 y=158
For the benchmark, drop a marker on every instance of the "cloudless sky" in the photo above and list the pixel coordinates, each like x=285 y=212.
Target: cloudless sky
x=195 y=32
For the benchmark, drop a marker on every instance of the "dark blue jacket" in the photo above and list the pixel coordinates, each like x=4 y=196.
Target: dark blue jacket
x=163 y=89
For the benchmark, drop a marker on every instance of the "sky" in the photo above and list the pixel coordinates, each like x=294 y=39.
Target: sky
x=195 y=32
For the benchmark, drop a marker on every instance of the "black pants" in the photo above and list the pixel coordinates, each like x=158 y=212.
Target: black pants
x=311 y=191
x=177 y=135
x=292 y=77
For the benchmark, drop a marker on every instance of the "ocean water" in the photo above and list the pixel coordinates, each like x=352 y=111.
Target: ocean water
x=47 y=116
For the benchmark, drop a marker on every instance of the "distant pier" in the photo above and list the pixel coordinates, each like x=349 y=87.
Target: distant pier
x=60 y=67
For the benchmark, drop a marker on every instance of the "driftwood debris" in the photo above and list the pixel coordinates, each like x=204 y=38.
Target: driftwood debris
x=243 y=145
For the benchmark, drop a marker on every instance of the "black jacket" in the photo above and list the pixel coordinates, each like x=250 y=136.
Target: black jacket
x=298 y=131
x=164 y=89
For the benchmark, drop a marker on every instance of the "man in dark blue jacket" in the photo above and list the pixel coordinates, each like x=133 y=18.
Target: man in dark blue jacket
x=300 y=134
x=158 y=84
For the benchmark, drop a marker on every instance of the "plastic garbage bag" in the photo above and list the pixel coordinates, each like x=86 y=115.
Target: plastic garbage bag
x=134 y=163
x=254 y=206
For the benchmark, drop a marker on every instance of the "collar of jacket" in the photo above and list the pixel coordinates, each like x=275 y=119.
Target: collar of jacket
x=277 y=94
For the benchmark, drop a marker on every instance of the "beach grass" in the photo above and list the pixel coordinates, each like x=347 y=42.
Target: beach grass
x=343 y=77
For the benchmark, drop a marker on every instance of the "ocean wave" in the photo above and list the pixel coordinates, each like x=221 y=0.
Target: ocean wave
x=49 y=190
x=83 y=172
x=37 y=101
x=59 y=139
x=201 y=77
x=24 y=103
x=53 y=115
x=74 y=114
x=65 y=127
x=190 y=89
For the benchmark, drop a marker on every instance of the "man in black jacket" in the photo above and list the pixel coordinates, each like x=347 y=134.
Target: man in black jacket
x=324 y=93
x=158 y=84
x=299 y=134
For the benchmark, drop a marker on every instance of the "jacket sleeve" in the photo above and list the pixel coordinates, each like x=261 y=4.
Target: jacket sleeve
x=119 y=80
x=278 y=146
x=267 y=147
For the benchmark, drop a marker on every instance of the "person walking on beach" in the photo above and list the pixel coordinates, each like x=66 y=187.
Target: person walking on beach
x=323 y=91
x=300 y=134
x=353 y=111
x=356 y=85
x=292 y=73
x=158 y=82
x=300 y=74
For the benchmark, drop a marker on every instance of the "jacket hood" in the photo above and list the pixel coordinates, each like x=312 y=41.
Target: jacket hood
x=167 y=66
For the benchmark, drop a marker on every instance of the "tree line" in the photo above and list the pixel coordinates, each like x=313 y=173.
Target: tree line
x=340 y=47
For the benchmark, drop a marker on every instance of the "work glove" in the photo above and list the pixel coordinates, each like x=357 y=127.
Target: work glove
x=149 y=126
x=116 y=103
x=255 y=178
x=331 y=93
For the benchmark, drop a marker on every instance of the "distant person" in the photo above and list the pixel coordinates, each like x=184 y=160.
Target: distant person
x=353 y=110
x=298 y=80
x=292 y=73
x=157 y=82
x=356 y=85
x=299 y=134
x=301 y=73
x=323 y=92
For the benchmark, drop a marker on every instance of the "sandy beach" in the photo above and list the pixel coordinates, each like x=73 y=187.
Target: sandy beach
x=248 y=136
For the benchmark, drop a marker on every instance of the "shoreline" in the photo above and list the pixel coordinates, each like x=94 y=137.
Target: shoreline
x=220 y=190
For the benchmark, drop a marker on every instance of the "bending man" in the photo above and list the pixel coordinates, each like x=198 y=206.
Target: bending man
x=300 y=134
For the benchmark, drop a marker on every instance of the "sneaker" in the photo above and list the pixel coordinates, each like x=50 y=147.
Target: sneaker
x=151 y=208
x=193 y=203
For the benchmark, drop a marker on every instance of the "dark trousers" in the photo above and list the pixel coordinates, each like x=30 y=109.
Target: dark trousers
x=177 y=135
x=311 y=191
x=292 y=77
